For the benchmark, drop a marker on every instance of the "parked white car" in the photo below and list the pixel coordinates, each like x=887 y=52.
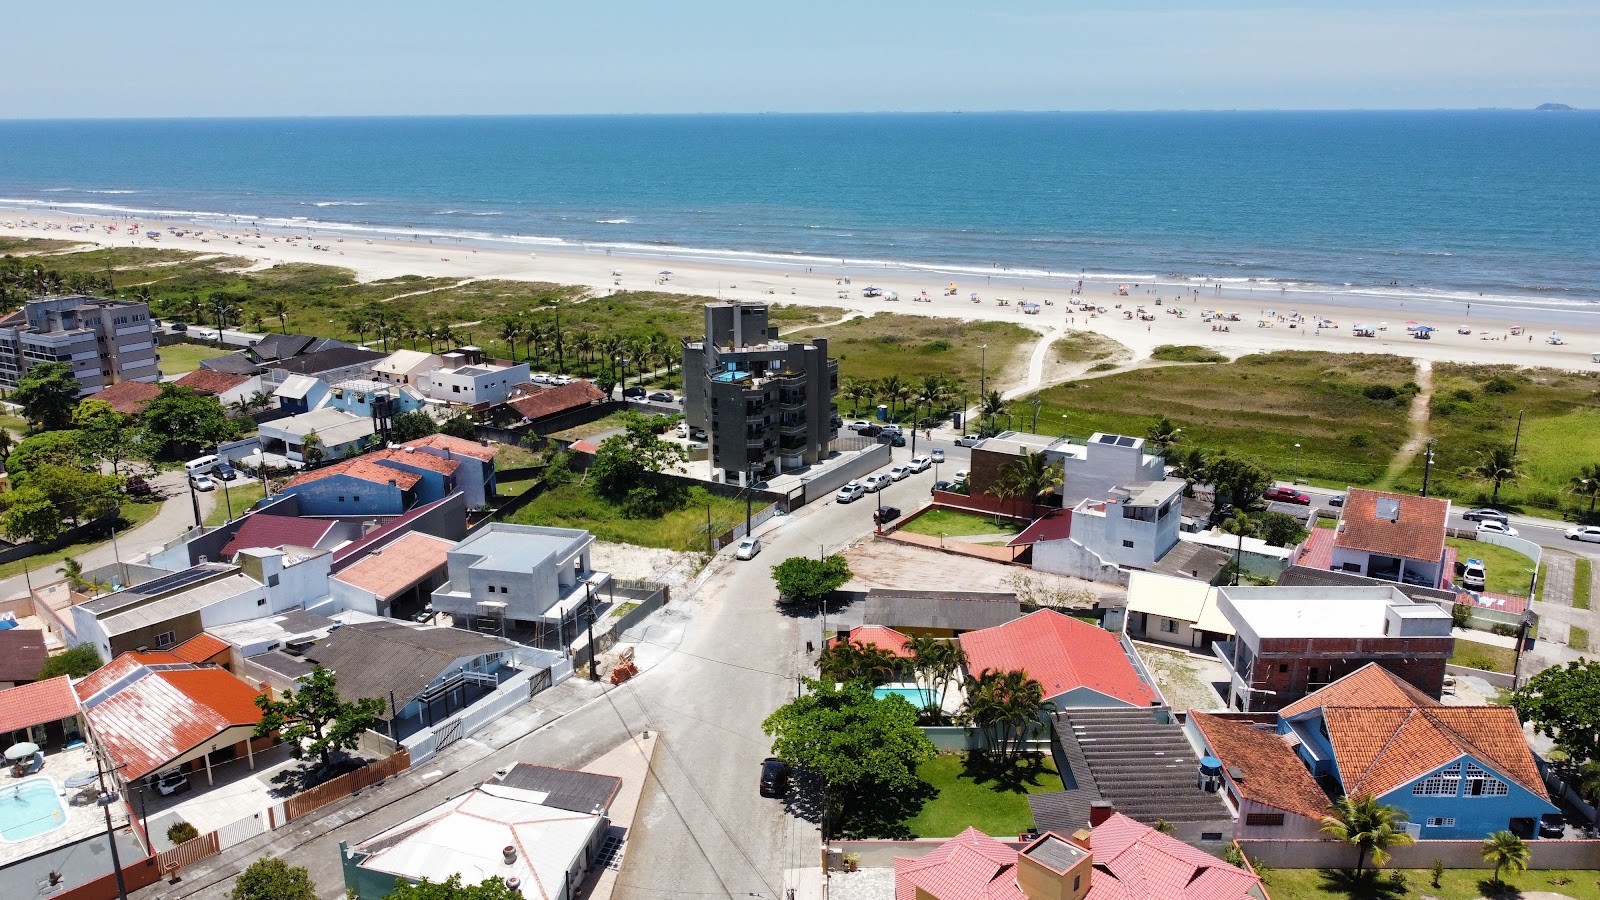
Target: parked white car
x=851 y=492
x=900 y=473
x=937 y=454
x=748 y=548
x=919 y=464
x=1495 y=526
x=1590 y=533
x=960 y=476
x=876 y=482
x=858 y=426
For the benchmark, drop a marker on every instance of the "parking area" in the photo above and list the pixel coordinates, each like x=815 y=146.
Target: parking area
x=236 y=791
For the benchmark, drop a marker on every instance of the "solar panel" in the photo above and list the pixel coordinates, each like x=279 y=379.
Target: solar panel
x=1389 y=508
x=1108 y=439
x=1126 y=441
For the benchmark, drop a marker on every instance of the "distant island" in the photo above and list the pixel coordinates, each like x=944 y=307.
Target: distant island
x=1553 y=107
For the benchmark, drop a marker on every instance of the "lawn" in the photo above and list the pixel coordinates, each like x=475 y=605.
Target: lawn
x=1578 y=639
x=953 y=523
x=1457 y=884
x=972 y=792
x=1489 y=657
x=1475 y=408
x=9 y=245
x=573 y=506
x=515 y=456
x=243 y=493
x=1509 y=571
x=181 y=359
x=875 y=347
x=1583 y=572
x=1258 y=408
x=134 y=514
x=601 y=425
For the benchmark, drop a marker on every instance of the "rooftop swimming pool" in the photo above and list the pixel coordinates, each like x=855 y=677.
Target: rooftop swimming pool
x=30 y=808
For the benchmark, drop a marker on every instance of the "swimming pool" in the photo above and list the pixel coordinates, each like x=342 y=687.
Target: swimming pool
x=918 y=697
x=30 y=808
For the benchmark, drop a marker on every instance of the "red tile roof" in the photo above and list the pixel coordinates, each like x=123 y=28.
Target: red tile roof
x=1145 y=864
x=160 y=716
x=1316 y=551
x=549 y=401
x=128 y=397
x=1380 y=749
x=1370 y=685
x=262 y=530
x=1061 y=653
x=881 y=636
x=35 y=704
x=1417 y=533
x=459 y=446
x=1055 y=525
x=969 y=866
x=206 y=381
x=22 y=654
x=398 y=565
x=200 y=648
x=364 y=469
x=352 y=551
x=416 y=460
x=1270 y=772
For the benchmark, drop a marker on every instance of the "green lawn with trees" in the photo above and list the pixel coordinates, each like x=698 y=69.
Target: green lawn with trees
x=955 y=523
x=1454 y=884
x=975 y=791
x=573 y=506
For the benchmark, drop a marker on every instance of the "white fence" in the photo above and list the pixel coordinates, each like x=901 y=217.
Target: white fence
x=242 y=830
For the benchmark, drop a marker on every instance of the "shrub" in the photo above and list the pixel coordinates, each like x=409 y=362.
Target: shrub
x=1498 y=385
x=1381 y=392
x=1186 y=353
x=181 y=833
x=1462 y=394
x=1504 y=630
x=938 y=346
x=1359 y=440
x=1102 y=367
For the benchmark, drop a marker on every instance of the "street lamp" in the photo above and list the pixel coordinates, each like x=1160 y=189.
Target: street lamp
x=1064 y=426
x=1297 y=462
x=983 y=371
x=1427 y=467
x=1037 y=402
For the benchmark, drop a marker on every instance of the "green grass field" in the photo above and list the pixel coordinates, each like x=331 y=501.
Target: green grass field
x=978 y=794
x=1488 y=657
x=1187 y=353
x=573 y=506
x=954 y=523
x=133 y=514
x=590 y=429
x=181 y=359
x=1457 y=884
x=886 y=344
x=1509 y=571
x=1583 y=573
x=242 y=492
x=1257 y=407
x=11 y=245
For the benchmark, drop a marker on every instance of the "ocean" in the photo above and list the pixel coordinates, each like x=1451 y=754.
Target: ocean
x=1454 y=205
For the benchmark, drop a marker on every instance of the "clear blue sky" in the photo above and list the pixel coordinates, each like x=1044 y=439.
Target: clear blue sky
x=354 y=57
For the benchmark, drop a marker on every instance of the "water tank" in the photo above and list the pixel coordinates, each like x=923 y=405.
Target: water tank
x=1209 y=778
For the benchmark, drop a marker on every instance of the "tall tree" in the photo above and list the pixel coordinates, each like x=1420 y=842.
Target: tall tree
x=1006 y=706
x=628 y=469
x=181 y=421
x=1587 y=484
x=313 y=720
x=1508 y=852
x=511 y=328
x=1563 y=703
x=408 y=426
x=935 y=663
x=851 y=660
x=801 y=579
x=47 y=393
x=1499 y=465
x=492 y=888
x=992 y=404
x=1036 y=476
x=104 y=432
x=270 y=878
x=1162 y=435
x=1371 y=827
x=1240 y=482
x=279 y=309
x=1191 y=466
x=311 y=449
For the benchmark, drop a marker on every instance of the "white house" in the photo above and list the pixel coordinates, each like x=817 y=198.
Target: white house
x=339 y=432
x=464 y=377
x=522 y=573
x=403 y=366
x=1167 y=609
x=1132 y=529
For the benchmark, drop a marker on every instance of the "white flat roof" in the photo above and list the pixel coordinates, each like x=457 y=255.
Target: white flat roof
x=1318 y=612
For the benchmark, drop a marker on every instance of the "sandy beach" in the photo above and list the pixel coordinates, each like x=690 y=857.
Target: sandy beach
x=1264 y=314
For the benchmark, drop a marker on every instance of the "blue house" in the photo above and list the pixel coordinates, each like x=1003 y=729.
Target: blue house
x=1458 y=772
x=355 y=487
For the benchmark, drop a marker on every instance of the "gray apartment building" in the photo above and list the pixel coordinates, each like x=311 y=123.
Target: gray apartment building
x=766 y=404
x=105 y=341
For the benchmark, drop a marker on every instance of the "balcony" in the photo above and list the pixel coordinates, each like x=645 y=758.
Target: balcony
x=793 y=426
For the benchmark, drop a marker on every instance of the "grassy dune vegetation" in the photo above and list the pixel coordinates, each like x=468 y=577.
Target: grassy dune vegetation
x=886 y=344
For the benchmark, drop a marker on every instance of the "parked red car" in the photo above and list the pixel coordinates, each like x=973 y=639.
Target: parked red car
x=1287 y=495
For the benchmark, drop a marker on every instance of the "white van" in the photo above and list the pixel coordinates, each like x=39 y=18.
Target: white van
x=200 y=466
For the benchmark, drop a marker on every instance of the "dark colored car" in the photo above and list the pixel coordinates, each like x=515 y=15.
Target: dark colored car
x=662 y=397
x=335 y=768
x=886 y=514
x=893 y=440
x=633 y=393
x=871 y=431
x=138 y=487
x=1287 y=495
x=943 y=485
x=774 y=777
x=179 y=327
x=1336 y=500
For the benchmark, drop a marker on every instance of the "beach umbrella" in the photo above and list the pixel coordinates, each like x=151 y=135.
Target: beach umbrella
x=664 y=272
x=1425 y=328
x=83 y=779
x=21 y=751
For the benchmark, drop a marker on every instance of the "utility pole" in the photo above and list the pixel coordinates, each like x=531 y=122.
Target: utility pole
x=105 y=800
x=194 y=500
x=594 y=671
x=750 y=484
x=1037 y=402
x=1518 y=439
x=1427 y=467
x=710 y=538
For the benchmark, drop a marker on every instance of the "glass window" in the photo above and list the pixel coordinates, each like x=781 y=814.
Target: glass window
x=1445 y=783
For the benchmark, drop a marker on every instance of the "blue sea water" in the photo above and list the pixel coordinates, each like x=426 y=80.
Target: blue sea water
x=1454 y=204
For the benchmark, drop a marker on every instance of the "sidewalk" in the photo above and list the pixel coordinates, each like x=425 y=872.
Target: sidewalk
x=631 y=761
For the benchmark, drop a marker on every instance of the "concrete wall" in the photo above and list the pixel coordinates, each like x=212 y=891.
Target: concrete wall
x=1068 y=557
x=1289 y=854
x=824 y=484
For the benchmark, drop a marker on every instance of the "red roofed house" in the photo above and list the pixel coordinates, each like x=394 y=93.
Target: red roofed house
x=1393 y=537
x=880 y=636
x=150 y=721
x=476 y=476
x=227 y=387
x=396 y=579
x=43 y=712
x=1267 y=787
x=128 y=397
x=1076 y=663
x=1119 y=859
x=267 y=530
x=355 y=487
x=533 y=403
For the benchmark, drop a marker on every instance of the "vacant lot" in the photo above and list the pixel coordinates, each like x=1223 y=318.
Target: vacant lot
x=180 y=359
x=1258 y=407
x=936 y=522
x=974 y=792
x=875 y=347
x=1475 y=408
x=1489 y=657
x=242 y=493
x=1457 y=884
x=573 y=506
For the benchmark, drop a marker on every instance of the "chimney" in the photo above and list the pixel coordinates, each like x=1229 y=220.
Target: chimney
x=514 y=885
x=1099 y=811
x=510 y=854
x=1081 y=838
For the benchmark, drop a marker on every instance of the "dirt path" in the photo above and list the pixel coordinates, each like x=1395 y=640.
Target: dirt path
x=1418 y=419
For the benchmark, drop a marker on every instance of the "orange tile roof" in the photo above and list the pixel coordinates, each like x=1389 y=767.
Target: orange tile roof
x=206 y=381
x=1370 y=685
x=454 y=444
x=418 y=460
x=160 y=716
x=128 y=397
x=35 y=704
x=1270 y=772
x=1059 y=652
x=200 y=648
x=881 y=636
x=549 y=401
x=361 y=468
x=1418 y=532
x=397 y=565
x=1380 y=749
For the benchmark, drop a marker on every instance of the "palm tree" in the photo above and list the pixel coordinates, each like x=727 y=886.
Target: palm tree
x=1162 y=435
x=278 y=308
x=359 y=323
x=1005 y=705
x=934 y=664
x=1191 y=467
x=857 y=390
x=583 y=344
x=992 y=405
x=1589 y=781
x=896 y=391
x=74 y=571
x=1587 y=483
x=1006 y=488
x=1499 y=465
x=853 y=660
x=1508 y=853
x=933 y=390
x=1371 y=826
x=410 y=331
x=1035 y=476
x=511 y=328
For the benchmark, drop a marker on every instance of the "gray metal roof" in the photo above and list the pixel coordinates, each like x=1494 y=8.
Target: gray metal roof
x=583 y=792
x=1146 y=770
x=956 y=610
x=1191 y=560
x=171 y=607
x=284 y=664
x=372 y=659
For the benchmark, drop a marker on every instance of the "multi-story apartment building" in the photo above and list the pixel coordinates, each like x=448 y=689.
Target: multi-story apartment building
x=765 y=404
x=105 y=341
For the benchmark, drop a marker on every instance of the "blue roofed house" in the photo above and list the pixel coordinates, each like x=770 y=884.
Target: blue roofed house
x=1459 y=772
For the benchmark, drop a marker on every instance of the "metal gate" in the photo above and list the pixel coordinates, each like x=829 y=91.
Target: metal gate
x=539 y=682
x=447 y=734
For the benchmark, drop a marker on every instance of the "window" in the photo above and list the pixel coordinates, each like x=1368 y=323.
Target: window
x=356 y=499
x=1441 y=822
x=341 y=498
x=166 y=639
x=1128 y=544
x=1445 y=783
x=1283 y=667
x=1075 y=880
x=1264 y=820
x=1170 y=626
x=455 y=388
x=262 y=601
x=1482 y=784
x=272 y=581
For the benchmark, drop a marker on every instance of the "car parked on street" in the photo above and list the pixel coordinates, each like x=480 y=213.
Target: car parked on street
x=961 y=476
x=876 y=482
x=892 y=439
x=943 y=485
x=968 y=440
x=633 y=393
x=1287 y=495
x=1495 y=526
x=919 y=464
x=662 y=397
x=1589 y=533
x=748 y=548
x=858 y=426
x=1484 y=514
x=1336 y=500
x=774 y=777
x=886 y=514
x=900 y=473
x=937 y=454
x=851 y=492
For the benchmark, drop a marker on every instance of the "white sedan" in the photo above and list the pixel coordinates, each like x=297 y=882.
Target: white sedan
x=876 y=482
x=1493 y=526
x=204 y=483
x=748 y=548
x=900 y=473
x=1590 y=533
x=919 y=463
